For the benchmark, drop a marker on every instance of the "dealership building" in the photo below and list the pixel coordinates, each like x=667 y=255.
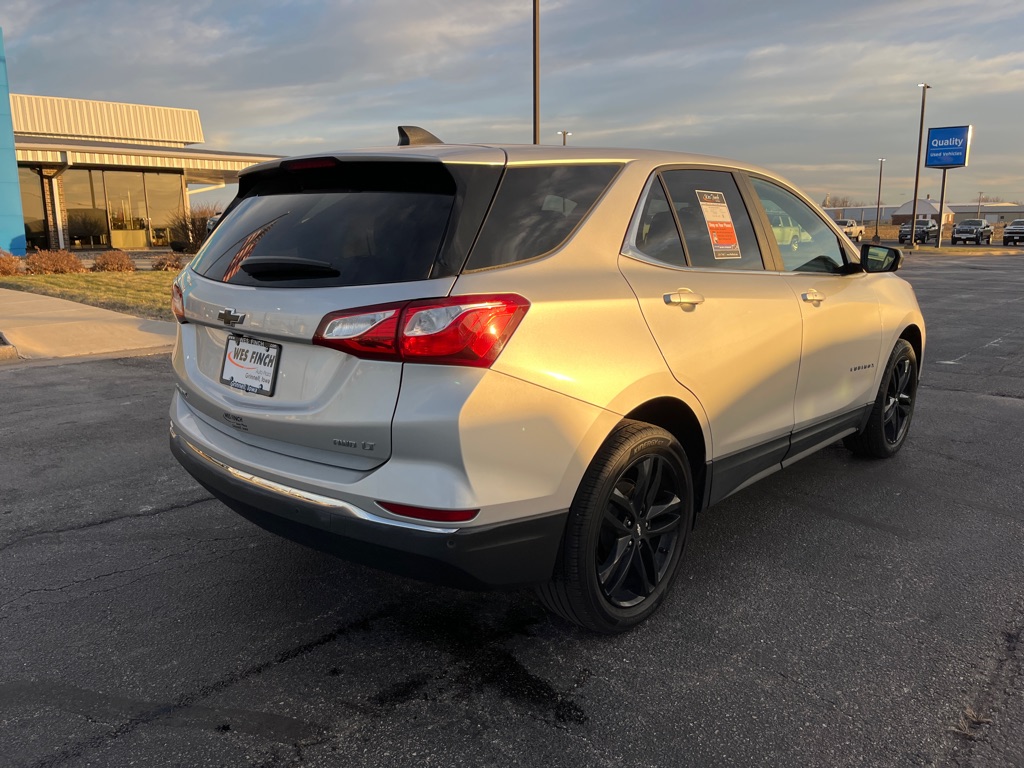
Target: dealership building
x=91 y=175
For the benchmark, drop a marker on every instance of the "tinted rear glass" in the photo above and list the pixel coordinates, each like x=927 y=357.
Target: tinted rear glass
x=536 y=209
x=335 y=227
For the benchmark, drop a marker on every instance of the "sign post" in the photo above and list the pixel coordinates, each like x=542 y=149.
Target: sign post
x=947 y=148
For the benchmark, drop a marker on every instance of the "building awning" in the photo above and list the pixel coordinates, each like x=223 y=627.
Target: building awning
x=200 y=166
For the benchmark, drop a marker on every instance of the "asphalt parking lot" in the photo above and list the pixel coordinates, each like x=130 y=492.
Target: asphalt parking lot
x=840 y=613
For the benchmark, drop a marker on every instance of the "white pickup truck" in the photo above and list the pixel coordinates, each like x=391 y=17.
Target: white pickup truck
x=853 y=230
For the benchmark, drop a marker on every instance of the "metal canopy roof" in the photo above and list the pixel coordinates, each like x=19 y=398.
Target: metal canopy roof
x=201 y=166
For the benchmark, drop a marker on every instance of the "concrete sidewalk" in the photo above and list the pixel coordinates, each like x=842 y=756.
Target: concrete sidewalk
x=39 y=327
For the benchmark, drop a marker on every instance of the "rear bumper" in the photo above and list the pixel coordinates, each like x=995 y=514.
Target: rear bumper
x=499 y=556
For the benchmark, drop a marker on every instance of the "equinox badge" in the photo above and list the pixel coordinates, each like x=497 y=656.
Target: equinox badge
x=228 y=316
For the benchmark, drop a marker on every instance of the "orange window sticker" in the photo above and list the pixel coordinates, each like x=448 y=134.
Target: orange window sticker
x=724 y=242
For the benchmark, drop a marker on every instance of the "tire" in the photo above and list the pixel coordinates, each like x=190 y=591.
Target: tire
x=857 y=239
x=794 y=244
x=627 y=531
x=955 y=241
x=889 y=423
x=977 y=240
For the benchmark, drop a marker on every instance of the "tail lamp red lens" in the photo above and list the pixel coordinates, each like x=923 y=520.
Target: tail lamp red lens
x=432 y=515
x=457 y=330
x=178 y=303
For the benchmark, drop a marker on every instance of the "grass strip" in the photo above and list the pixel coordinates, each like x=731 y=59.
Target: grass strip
x=143 y=294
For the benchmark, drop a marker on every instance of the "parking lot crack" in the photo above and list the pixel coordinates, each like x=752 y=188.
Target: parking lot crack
x=144 y=513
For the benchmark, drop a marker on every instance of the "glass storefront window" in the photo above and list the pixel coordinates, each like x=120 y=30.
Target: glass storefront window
x=126 y=204
x=85 y=204
x=33 y=208
x=129 y=210
x=163 y=193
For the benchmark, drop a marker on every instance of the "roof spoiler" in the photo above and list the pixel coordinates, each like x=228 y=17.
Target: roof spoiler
x=412 y=135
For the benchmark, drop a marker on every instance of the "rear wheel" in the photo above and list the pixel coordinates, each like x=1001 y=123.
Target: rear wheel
x=627 y=530
x=893 y=410
x=794 y=244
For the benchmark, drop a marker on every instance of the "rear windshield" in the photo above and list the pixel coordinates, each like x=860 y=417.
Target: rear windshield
x=536 y=209
x=375 y=223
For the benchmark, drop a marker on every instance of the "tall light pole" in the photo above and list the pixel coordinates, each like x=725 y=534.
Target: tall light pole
x=564 y=135
x=979 y=204
x=878 y=201
x=536 y=71
x=917 y=168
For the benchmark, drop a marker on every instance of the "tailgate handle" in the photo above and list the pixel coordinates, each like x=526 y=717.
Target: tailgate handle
x=684 y=297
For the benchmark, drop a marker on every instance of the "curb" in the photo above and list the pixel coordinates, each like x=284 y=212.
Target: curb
x=8 y=351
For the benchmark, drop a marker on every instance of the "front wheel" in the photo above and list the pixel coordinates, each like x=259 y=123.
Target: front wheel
x=890 y=418
x=627 y=530
x=955 y=241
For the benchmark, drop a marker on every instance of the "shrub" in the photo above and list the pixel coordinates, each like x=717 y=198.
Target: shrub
x=9 y=265
x=167 y=262
x=53 y=263
x=189 y=231
x=113 y=261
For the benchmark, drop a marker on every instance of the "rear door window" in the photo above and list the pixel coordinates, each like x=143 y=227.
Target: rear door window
x=536 y=209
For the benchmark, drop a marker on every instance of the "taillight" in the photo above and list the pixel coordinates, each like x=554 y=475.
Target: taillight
x=178 y=303
x=458 y=330
x=433 y=515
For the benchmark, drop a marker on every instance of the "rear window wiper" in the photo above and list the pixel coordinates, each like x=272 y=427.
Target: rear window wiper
x=277 y=268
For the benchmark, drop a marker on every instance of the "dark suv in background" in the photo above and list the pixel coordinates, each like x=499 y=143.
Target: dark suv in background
x=924 y=230
x=977 y=230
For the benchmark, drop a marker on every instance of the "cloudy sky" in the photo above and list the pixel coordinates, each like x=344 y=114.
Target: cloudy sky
x=812 y=89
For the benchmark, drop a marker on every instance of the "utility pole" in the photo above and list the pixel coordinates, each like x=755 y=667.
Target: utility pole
x=917 y=168
x=536 y=71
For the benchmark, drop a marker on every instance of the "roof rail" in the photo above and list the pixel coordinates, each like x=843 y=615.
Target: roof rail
x=411 y=135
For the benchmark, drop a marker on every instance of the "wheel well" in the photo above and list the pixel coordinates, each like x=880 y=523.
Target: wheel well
x=676 y=417
x=912 y=334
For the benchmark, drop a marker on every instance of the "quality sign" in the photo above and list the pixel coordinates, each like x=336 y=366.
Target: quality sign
x=948 y=147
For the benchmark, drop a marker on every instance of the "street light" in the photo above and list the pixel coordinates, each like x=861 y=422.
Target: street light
x=564 y=135
x=878 y=202
x=979 y=204
x=917 y=168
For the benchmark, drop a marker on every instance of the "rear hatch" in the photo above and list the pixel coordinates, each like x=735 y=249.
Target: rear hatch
x=304 y=239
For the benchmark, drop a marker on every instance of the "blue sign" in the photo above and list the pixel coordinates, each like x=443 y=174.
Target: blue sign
x=12 y=222
x=948 y=147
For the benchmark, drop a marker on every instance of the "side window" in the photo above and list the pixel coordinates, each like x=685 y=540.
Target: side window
x=657 y=235
x=536 y=209
x=717 y=232
x=805 y=241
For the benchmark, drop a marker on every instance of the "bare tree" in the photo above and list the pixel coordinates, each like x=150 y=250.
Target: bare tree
x=188 y=231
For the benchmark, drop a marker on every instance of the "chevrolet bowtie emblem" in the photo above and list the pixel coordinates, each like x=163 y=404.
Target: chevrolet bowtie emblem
x=228 y=317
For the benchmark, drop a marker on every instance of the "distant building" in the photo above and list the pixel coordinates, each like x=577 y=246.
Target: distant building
x=98 y=174
x=993 y=213
x=926 y=209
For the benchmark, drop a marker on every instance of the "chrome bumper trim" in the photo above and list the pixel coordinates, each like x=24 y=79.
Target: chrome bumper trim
x=325 y=502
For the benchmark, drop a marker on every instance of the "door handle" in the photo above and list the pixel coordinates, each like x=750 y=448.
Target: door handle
x=684 y=297
x=813 y=296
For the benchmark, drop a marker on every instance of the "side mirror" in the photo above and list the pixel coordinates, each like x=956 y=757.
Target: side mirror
x=879 y=258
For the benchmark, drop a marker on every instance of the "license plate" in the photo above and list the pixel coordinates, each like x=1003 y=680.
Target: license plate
x=250 y=365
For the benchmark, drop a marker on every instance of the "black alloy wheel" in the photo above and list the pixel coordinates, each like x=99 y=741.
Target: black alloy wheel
x=627 y=531
x=899 y=401
x=639 y=530
x=889 y=421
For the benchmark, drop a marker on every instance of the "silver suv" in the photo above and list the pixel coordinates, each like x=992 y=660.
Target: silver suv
x=496 y=366
x=1013 y=233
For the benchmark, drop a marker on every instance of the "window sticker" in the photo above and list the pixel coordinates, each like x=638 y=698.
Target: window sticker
x=724 y=242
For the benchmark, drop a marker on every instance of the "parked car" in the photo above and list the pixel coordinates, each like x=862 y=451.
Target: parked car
x=853 y=230
x=1013 y=233
x=977 y=230
x=925 y=230
x=497 y=366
